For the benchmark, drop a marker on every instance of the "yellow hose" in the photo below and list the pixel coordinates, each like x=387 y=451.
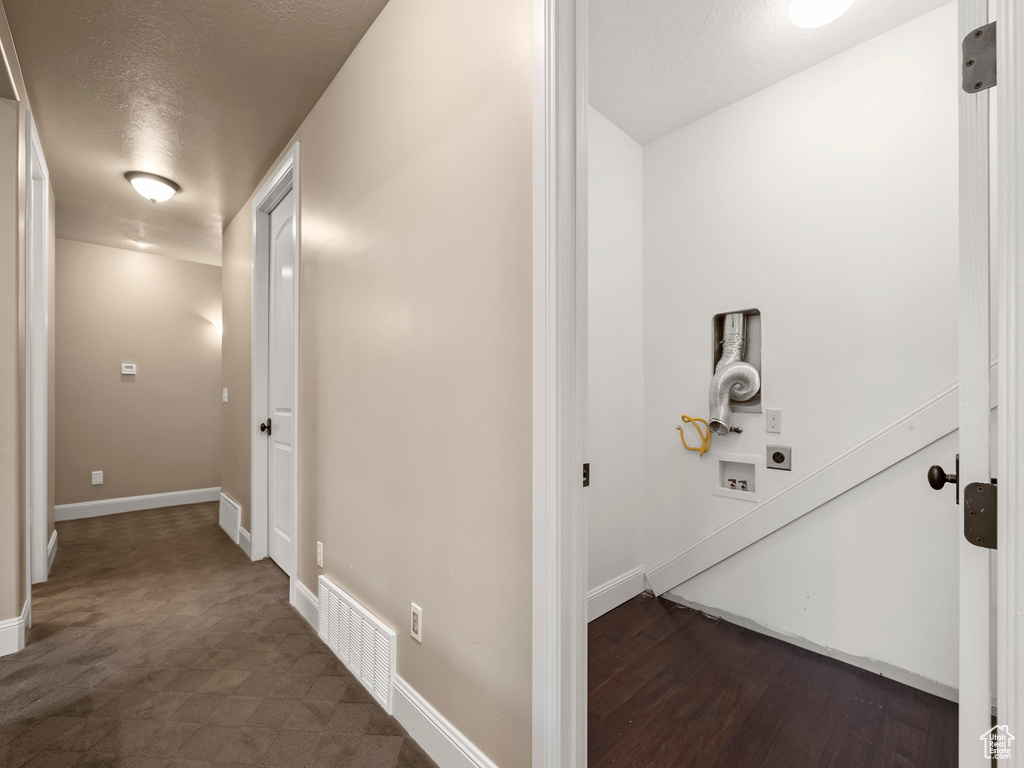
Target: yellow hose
x=705 y=434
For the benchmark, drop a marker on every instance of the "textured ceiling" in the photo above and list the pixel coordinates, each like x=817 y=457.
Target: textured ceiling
x=205 y=92
x=657 y=65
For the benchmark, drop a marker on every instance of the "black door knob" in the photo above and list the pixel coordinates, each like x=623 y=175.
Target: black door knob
x=937 y=477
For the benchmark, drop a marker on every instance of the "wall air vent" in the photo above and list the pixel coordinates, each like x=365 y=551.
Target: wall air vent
x=230 y=517
x=362 y=641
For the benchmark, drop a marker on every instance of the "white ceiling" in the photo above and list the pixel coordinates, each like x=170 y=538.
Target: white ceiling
x=205 y=92
x=657 y=65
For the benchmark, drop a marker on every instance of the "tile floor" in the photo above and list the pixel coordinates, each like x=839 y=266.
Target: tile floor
x=156 y=643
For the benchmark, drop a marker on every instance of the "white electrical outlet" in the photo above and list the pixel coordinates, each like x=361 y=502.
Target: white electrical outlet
x=773 y=420
x=320 y=554
x=97 y=478
x=416 y=623
x=224 y=395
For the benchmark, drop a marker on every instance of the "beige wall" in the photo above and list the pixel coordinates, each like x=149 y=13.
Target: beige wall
x=237 y=294
x=159 y=430
x=414 y=344
x=12 y=375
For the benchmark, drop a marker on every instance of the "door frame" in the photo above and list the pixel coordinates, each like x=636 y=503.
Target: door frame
x=37 y=358
x=283 y=180
x=559 y=384
x=560 y=365
x=1010 y=427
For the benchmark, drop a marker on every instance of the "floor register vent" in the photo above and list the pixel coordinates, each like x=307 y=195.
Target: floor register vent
x=364 y=644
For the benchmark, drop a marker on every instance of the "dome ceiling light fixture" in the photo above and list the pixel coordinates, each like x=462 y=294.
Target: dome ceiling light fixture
x=811 y=14
x=156 y=189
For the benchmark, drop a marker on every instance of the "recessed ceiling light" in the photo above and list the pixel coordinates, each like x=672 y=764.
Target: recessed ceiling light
x=154 y=188
x=810 y=14
x=141 y=244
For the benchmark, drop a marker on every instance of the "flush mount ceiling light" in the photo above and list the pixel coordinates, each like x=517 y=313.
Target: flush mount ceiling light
x=154 y=188
x=810 y=14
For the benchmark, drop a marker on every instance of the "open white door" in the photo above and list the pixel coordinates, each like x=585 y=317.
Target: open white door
x=281 y=389
x=973 y=476
x=41 y=545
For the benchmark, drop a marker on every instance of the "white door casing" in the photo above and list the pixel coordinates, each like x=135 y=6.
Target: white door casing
x=1010 y=263
x=267 y=375
x=281 y=389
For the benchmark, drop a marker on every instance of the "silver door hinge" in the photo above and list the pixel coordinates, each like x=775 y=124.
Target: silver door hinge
x=979 y=59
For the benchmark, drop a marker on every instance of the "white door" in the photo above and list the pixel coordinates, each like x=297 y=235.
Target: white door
x=281 y=385
x=976 y=558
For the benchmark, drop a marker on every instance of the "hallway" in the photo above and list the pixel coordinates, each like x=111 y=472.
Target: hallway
x=157 y=643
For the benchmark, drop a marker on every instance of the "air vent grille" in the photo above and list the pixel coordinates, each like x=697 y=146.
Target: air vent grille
x=230 y=517
x=359 y=639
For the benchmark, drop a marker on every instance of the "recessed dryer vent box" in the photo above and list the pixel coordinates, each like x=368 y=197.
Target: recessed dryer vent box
x=737 y=477
x=752 y=326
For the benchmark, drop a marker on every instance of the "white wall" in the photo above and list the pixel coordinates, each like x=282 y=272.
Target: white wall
x=829 y=202
x=616 y=376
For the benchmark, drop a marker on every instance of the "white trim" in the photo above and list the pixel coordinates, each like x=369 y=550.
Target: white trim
x=1010 y=425
x=883 y=668
x=12 y=632
x=614 y=593
x=922 y=426
x=559 y=676
x=134 y=503
x=37 y=352
x=441 y=740
x=51 y=552
x=307 y=604
x=286 y=177
x=245 y=542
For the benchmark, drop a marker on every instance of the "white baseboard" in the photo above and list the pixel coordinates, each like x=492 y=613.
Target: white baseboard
x=614 y=593
x=441 y=740
x=51 y=552
x=245 y=541
x=12 y=632
x=883 y=668
x=134 y=503
x=306 y=603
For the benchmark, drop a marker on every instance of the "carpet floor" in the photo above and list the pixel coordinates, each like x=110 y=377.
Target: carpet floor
x=157 y=643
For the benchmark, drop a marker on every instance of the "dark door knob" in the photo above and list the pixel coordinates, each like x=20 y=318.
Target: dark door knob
x=265 y=427
x=937 y=477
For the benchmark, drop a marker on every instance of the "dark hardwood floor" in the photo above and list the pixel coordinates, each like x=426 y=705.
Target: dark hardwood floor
x=670 y=687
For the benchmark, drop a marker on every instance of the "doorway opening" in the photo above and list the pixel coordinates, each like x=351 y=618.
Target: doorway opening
x=717 y=194
x=275 y=398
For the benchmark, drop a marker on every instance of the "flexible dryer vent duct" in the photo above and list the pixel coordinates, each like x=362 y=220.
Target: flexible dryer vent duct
x=734 y=379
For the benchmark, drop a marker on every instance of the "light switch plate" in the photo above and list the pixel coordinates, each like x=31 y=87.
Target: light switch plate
x=416 y=623
x=127 y=369
x=97 y=477
x=224 y=395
